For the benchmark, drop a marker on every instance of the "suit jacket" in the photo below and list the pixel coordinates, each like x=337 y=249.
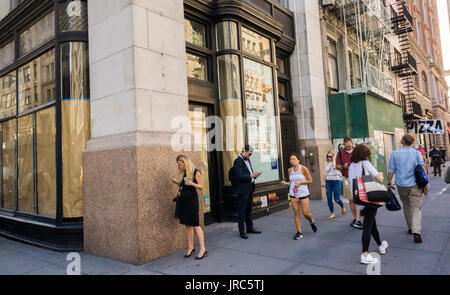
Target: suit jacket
x=244 y=184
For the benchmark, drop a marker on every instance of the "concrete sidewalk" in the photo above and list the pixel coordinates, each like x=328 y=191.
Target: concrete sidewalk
x=334 y=250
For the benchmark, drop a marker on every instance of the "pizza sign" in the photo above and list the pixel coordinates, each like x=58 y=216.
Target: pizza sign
x=426 y=127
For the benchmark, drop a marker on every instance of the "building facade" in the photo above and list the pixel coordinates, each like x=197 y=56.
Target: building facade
x=430 y=87
x=360 y=46
x=94 y=113
x=99 y=97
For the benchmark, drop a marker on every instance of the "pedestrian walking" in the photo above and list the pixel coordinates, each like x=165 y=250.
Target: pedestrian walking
x=299 y=178
x=360 y=161
x=187 y=204
x=244 y=179
x=436 y=160
x=402 y=164
x=333 y=185
x=343 y=161
x=424 y=157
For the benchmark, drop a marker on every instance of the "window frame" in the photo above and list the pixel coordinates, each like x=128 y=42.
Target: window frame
x=39 y=10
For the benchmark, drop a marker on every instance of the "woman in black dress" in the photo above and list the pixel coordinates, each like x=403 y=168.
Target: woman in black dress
x=187 y=204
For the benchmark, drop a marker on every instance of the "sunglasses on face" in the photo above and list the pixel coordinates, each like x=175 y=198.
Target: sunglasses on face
x=330 y=157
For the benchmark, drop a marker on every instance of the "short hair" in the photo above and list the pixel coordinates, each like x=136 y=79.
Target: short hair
x=360 y=153
x=408 y=139
x=247 y=148
x=347 y=139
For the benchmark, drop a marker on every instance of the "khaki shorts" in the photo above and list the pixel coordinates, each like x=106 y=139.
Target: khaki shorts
x=347 y=192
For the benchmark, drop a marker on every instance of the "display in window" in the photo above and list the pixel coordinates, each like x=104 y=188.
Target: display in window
x=262 y=133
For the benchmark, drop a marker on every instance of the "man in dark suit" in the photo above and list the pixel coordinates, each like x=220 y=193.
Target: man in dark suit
x=245 y=186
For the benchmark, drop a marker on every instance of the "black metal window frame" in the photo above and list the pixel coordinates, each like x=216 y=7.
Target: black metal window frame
x=35 y=10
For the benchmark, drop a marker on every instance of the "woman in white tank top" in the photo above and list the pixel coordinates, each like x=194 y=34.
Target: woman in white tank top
x=299 y=178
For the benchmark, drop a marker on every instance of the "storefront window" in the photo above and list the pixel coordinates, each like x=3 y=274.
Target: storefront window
x=9 y=164
x=76 y=130
x=7 y=54
x=73 y=16
x=261 y=120
x=230 y=109
x=45 y=155
x=38 y=81
x=37 y=34
x=226 y=35
x=25 y=156
x=8 y=95
x=196 y=67
x=256 y=45
x=195 y=32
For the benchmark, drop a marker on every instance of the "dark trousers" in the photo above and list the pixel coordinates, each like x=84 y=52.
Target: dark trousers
x=245 y=212
x=369 y=228
x=436 y=166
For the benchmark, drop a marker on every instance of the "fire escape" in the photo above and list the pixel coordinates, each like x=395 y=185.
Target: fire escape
x=405 y=65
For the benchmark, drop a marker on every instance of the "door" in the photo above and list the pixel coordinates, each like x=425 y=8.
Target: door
x=388 y=146
x=197 y=115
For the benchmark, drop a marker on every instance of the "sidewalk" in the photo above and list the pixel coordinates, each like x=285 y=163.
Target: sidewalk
x=333 y=250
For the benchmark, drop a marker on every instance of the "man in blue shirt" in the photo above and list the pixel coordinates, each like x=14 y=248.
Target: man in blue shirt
x=402 y=164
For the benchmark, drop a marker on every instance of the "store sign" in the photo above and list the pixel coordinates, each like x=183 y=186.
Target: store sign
x=426 y=127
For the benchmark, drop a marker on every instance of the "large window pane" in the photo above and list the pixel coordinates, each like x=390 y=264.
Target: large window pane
x=226 y=35
x=8 y=95
x=45 y=155
x=73 y=16
x=261 y=121
x=37 y=34
x=7 y=55
x=25 y=153
x=195 y=32
x=36 y=80
x=196 y=67
x=9 y=164
x=256 y=45
x=230 y=109
x=75 y=123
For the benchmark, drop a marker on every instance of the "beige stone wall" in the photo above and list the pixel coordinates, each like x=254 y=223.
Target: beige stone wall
x=129 y=213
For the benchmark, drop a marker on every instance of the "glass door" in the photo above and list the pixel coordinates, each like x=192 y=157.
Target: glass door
x=197 y=115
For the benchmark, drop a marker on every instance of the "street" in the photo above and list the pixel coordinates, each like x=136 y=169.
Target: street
x=333 y=250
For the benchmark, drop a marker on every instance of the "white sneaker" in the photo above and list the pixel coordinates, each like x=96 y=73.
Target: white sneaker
x=368 y=259
x=382 y=248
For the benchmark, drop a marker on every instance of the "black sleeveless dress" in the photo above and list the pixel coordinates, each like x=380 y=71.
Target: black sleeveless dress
x=187 y=204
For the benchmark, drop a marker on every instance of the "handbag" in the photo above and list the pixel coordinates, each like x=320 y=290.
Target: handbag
x=178 y=194
x=393 y=204
x=376 y=192
x=368 y=192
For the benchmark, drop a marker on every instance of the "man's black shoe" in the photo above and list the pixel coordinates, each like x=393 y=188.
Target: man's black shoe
x=253 y=231
x=244 y=236
x=417 y=238
x=409 y=231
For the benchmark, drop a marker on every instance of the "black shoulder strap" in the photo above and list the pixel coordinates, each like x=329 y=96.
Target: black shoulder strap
x=340 y=158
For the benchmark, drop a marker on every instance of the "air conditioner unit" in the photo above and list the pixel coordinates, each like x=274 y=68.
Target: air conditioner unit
x=328 y=2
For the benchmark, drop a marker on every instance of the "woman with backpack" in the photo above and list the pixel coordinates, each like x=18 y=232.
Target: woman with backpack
x=299 y=178
x=187 y=204
x=360 y=163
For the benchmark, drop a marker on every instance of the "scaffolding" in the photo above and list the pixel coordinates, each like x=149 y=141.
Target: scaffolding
x=370 y=22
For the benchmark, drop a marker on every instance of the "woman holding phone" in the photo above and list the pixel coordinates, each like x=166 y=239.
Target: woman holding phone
x=299 y=178
x=187 y=204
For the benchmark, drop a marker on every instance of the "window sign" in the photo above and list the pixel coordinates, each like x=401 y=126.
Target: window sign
x=261 y=121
